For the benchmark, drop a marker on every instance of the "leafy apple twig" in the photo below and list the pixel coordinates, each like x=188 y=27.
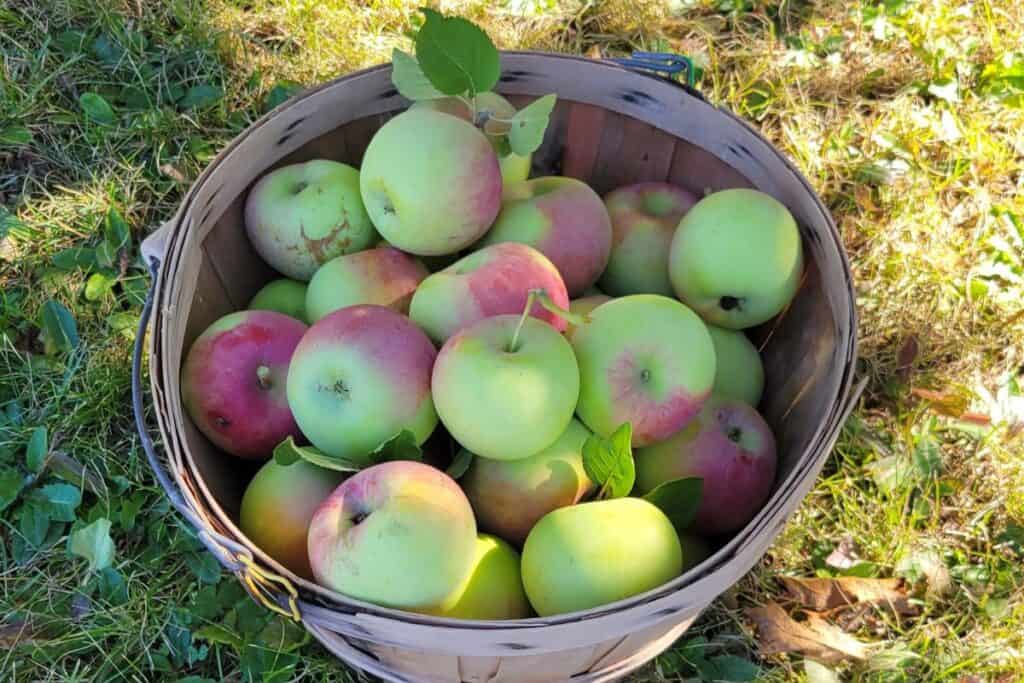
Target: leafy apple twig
x=401 y=446
x=609 y=462
x=455 y=58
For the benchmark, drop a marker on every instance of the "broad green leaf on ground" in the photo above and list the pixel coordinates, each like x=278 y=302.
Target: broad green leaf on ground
x=456 y=55
x=60 y=501
x=8 y=222
x=401 y=446
x=609 y=462
x=69 y=469
x=927 y=457
x=287 y=452
x=15 y=135
x=409 y=78
x=281 y=93
x=200 y=96
x=98 y=286
x=112 y=586
x=460 y=464
x=96 y=108
x=11 y=482
x=130 y=509
x=36 y=450
x=93 y=542
x=217 y=633
x=729 y=668
x=679 y=499
x=529 y=124
x=116 y=237
x=33 y=523
x=204 y=565
x=75 y=258
x=59 y=327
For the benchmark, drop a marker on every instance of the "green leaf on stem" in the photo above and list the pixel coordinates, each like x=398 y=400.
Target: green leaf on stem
x=528 y=125
x=609 y=462
x=679 y=499
x=401 y=446
x=456 y=55
x=409 y=78
x=38 y=447
x=287 y=452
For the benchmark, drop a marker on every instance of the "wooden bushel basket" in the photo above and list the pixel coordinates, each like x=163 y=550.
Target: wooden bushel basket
x=611 y=127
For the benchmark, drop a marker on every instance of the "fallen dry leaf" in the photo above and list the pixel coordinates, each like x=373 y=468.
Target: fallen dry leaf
x=778 y=633
x=906 y=357
x=18 y=632
x=822 y=595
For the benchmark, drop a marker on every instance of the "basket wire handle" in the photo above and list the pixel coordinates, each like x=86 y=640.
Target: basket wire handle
x=273 y=591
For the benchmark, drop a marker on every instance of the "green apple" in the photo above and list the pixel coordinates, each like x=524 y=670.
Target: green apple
x=736 y=258
x=561 y=218
x=644 y=359
x=284 y=296
x=278 y=505
x=492 y=115
x=644 y=218
x=583 y=307
x=510 y=496
x=359 y=376
x=739 y=373
x=299 y=217
x=383 y=275
x=431 y=182
x=502 y=401
x=399 y=534
x=592 y=554
x=493 y=589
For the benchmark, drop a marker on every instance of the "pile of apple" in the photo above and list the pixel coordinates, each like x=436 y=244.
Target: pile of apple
x=561 y=415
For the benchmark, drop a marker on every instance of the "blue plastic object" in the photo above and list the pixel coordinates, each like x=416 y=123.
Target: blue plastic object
x=660 y=62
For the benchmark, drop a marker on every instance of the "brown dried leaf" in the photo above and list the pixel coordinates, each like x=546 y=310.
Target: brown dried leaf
x=16 y=633
x=815 y=638
x=950 y=405
x=70 y=470
x=906 y=357
x=827 y=594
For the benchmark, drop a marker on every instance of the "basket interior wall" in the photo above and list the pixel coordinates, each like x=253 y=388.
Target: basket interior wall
x=607 y=150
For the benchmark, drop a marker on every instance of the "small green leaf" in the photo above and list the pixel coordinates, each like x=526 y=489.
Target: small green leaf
x=61 y=500
x=8 y=222
x=96 y=108
x=609 y=462
x=216 y=633
x=287 y=452
x=70 y=42
x=460 y=464
x=11 y=482
x=730 y=668
x=15 y=135
x=281 y=93
x=38 y=447
x=1013 y=538
x=927 y=457
x=59 y=327
x=75 y=258
x=529 y=124
x=200 y=96
x=98 y=286
x=456 y=55
x=34 y=523
x=116 y=232
x=409 y=78
x=112 y=587
x=401 y=446
x=130 y=510
x=94 y=544
x=679 y=499
x=204 y=565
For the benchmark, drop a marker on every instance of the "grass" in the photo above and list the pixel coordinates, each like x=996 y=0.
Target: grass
x=906 y=116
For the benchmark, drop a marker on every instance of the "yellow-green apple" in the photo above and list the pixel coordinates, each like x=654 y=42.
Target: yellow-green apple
x=510 y=496
x=492 y=281
x=233 y=381
x=431 y=182
x=284 y=296
x=736 y=258
x=384 y=276
x=739 y=373
x=563 y=219
x=695 y=550
x=729 y=446
x=359 y=376
x=278 y=505
x=586 y=555
x=493 y=112
x=644 y=359
x=582 y=307
x=399 y=534
x=492 y=590
x=300 y=216
x=506 y=401
x=644 y=218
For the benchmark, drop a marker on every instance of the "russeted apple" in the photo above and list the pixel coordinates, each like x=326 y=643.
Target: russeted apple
x=739 y=373
x=644 y=218
x=561 y=218
x=502 y=395
x=587 y=555
x=492 y=115
x=300 y=216
x=494 y=280
x=278 y=505
x=736 y=258
x=284 y=296
x=492 y=590
x=399 y=534
x=233 y=381
x=729 y=446
x=510 y=496
x=644 y=359
x=359 y=376
x=431 y=182
x=384 y=276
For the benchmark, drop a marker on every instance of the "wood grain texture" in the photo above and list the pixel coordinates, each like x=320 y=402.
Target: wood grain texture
x=701 y=172
x=584 y=128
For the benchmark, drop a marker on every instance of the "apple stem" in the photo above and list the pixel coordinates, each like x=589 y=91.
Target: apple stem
x=568 y=316
x=263 y=376
x=513 y=345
